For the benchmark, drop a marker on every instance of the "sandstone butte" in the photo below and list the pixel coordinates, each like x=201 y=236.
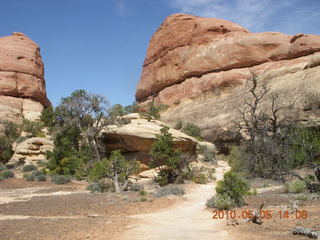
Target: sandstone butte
x=199 y=67
x=22 y=84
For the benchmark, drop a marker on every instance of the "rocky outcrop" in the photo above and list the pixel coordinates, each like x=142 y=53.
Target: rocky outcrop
x=31 y=151
x=200 y=66
x=135 y=139
x=22 y=84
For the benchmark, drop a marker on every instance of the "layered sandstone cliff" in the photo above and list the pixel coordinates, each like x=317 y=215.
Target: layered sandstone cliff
x=200 y=66
x=22 y=84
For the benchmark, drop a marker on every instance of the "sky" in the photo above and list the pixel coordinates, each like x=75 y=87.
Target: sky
x=100 y=45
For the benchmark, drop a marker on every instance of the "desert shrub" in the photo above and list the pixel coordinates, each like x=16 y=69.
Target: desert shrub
x=236 y=160
x=166 y=176
x=7 y=174
x=305 y=145
x=75 y=165
x=33 y=128
x=169 y=190
x=60 y=179
x=178 y=125
x=1 y=177
x=29 y=168
x=100 y=186
x=9 y=166
x=301 y=198
x=136 y=187
x=208 y=155
x=164 y=154
x=221 y=201
x=41 y=134
x=2 y=167
x=142 y=193
x=41 y=178
x=30 y=177
x=5 y=149
x=233 y=186
x=310 y=178
x=117 y=168
x=253 y=192
x=296 y=186
x=21 y=139
x=143 y=199
x=211 y=202
x=153 y=110
x=199 y=178
x=97 y=172
x=37 y=173
x=183 y=177
x=133 y=108
x=192 y=130
x=47 y=117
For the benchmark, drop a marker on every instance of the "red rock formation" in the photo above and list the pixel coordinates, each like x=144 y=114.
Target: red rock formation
x=198 y=66
x=22 y=84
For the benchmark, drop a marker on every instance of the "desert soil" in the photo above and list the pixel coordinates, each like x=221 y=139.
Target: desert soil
x=42 y=210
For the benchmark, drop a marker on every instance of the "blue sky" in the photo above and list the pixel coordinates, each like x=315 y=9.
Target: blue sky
x=100 y=45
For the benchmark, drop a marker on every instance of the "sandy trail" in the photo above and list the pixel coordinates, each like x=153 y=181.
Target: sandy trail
x=187 y=220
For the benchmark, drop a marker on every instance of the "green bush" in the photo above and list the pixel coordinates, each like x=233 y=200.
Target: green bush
x=221 y=202
x=100 y=186
x=142 y=193
x=47 y=117
x=32 y=127
x=169 y=190
x=233 y=186
x=7 y=174
x=143 y=199
x=301 y=198
x=192 y=130
x=41 y=178
x=97 y=172
x=29 y=168
x=35 y=175
x=253 y=192
x=235 y=159
x=5 y=149
x=60 y=179
x=2 y=167
x=166 y=176
x=208 y=155
x=136 y=187
x=296 y=186
x=30 y=177
x=178 y=125
x=199 y=178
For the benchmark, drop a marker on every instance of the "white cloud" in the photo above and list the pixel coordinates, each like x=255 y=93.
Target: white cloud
x=256 y=15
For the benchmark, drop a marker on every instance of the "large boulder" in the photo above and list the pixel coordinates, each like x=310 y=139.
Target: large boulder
x=137 y=137
x=199 y=67
x=22 y=84
x=31 y=151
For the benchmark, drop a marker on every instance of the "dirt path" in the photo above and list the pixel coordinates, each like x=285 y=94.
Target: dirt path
x=187 y=220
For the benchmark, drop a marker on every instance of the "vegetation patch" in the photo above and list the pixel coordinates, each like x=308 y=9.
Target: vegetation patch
x=169 y=190
x=29 y=168
x=60 y=179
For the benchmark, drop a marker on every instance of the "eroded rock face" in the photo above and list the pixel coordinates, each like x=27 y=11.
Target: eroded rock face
x=136 y=138
x=200 y=66
x=22 y=84
x=31 y=151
